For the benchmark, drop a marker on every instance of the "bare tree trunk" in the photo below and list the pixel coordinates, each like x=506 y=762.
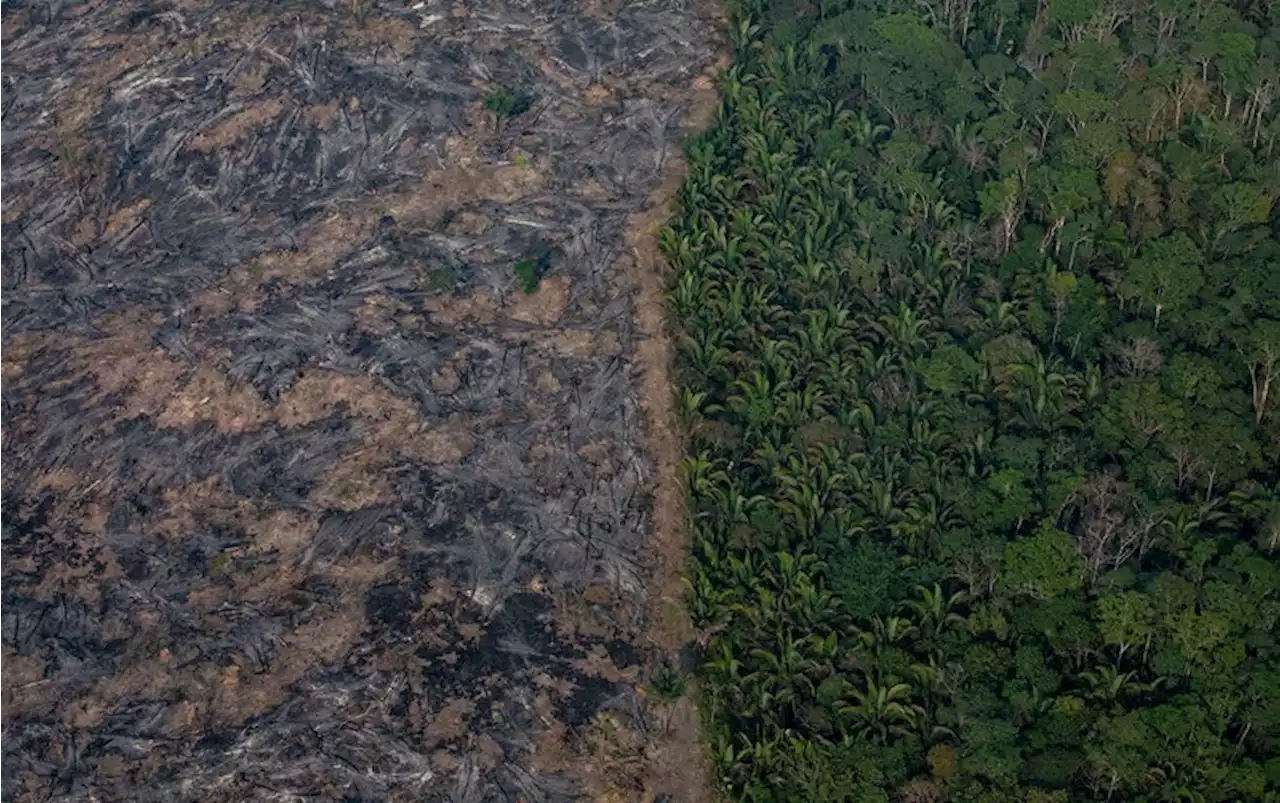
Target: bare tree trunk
x=1261 y=372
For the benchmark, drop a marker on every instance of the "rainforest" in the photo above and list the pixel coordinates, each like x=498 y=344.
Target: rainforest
x=977 y=312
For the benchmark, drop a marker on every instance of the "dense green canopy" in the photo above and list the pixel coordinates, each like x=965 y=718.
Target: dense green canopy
x=979 y=311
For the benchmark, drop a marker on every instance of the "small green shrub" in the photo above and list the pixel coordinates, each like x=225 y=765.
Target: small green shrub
x=527 y=273
x=667 y=684
x=505 y=102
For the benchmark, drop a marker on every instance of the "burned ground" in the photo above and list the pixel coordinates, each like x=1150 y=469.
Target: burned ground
x=303 y=497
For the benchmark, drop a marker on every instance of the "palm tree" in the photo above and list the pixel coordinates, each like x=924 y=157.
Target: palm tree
x=705 y=351
x=1001 y=316
x=886 y=633
x=708 y=601
x=783 y=674
x=865 y=132
x=689 y=297
x=1110 y=684
x=1259 y=504
x=882 y=711
x=1042 y=396
x=935 y=610
x=905 y=330
x=683 y=251
x=754 y=402
x=877 y=499
x=745 y=34
x=702 y=475
x=797 y=409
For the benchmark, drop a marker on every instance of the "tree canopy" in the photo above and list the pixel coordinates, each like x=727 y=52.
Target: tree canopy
x=979 y=312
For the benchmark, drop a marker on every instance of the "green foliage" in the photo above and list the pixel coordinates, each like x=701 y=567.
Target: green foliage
x=979 y=346
x=1072 y=12
x=1044 y=565
x=991 y=749
x=1126 y=619
x=526 y=271
x=864 y=577
x=947 y=369
x=667 y=683
x=1167 y=273
x=505 y=102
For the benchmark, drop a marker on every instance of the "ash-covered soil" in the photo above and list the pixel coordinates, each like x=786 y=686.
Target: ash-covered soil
x=304 y=498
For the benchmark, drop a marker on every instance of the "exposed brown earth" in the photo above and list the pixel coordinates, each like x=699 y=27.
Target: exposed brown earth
x=303 y=497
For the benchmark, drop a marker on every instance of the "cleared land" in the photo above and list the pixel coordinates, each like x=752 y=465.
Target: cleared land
x=304 y=498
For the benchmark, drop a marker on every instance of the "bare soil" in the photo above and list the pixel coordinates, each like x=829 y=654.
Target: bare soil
x=303 y=497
